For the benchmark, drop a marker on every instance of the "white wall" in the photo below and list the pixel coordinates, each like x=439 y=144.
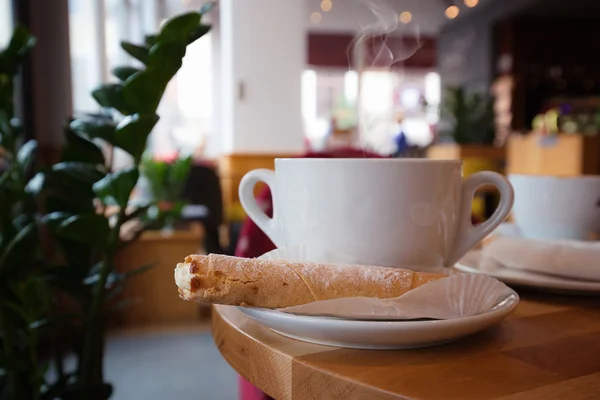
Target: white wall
x=214 y=139
x=263 y=54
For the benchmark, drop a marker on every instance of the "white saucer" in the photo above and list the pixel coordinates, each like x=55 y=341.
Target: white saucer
x=380 y=335
x=513 y=277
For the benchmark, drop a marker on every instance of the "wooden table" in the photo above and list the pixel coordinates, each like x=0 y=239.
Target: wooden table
x=549 y=349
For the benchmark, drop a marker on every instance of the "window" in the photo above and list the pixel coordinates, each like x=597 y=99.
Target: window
x=6 y=25
x=328 y=97
x=86 y=53
x=390 y=102
x=97 y=28
x=186 y=108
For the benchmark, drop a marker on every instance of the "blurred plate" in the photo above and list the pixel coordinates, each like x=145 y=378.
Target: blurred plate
x=513 y=277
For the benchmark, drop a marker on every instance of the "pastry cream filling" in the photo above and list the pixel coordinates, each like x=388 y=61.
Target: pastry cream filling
x=183 y=276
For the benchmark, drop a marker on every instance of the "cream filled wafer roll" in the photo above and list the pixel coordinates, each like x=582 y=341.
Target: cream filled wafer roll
x=220 y=279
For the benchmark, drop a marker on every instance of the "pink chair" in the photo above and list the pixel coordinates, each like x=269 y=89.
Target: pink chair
x=250 y=392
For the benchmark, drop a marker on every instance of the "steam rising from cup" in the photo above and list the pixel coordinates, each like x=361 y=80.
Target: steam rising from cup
x=379 y=43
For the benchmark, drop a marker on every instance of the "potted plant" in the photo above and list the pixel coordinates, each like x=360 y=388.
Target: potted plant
x=23 y=301
x=72 y=200
x=467 y=131
x=165 y=177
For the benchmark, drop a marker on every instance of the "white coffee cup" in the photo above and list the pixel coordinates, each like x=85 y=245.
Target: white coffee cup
x=388 y=212
x=551 y=207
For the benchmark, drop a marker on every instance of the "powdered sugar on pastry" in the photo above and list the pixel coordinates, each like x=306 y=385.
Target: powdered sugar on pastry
x=230 y=280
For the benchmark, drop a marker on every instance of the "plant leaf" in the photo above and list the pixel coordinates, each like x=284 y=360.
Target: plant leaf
x=167 y=58
x=179 y=27
x=79 y=171
x=93 y=128
x=68 y=204
x=143 y=91
x=17 y=247
x=67 y=186
x=65 y=277
x=138 y=52
x=92 y=229
x=138 y=212
x=26 y=155
x=157 y=175
x=21 y=42
x=198 y=33
x=36 y=184
x=179 y=172
x=115 y=188
x=137 y=271
x=117 y=278
x=124 y=72
x=132 y=133
x=20 y=310
x=77 y=148
x=54 y=219
x=111 y=96
x=77 y=255
x=150 y=40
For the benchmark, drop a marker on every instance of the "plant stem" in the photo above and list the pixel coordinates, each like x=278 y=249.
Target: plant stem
x=57 y=354
x=11 y=373
x=35 y=385
x=58 y=357
x=109 y=167
x=90 y=370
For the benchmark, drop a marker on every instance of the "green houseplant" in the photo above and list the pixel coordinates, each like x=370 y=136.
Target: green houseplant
x=165 y=178
x=470 y=115
x=22 y=294
x=82 y=203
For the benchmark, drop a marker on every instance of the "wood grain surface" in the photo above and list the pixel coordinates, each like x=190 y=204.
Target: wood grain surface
x=549 y=349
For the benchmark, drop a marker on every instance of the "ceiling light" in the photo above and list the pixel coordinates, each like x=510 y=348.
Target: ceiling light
x=405 y=17
x=452 y=12
x=326 y=5
x=316 y=18
x=471 y=3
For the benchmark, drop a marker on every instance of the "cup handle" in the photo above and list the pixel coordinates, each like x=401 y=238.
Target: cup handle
x=249 y=204
x=469 y=235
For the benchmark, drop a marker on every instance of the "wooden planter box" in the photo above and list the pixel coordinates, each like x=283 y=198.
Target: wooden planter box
x=452 y=150
x=559 y=155
x=475 y=157
x=153 y=292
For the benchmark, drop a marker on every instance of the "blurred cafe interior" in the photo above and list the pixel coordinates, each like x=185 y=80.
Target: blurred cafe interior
x=510 y=86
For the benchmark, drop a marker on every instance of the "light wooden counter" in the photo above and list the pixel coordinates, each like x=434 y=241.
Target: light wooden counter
x=549 y=349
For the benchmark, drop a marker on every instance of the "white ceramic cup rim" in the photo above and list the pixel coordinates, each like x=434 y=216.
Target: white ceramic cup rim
x=373 y=160
x=555 y=177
